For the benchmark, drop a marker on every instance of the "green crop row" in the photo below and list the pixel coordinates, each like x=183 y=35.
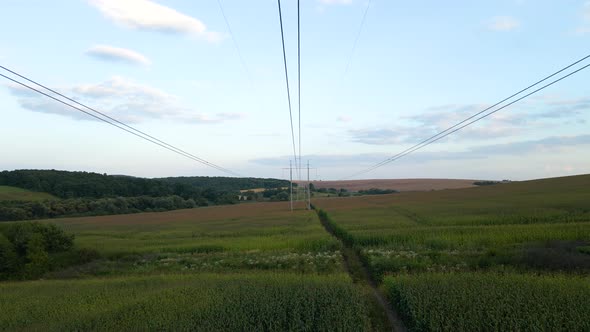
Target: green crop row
x=203 y=302
x=491 y=302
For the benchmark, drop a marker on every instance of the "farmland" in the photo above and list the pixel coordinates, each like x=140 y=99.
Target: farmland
x=435 y=250
x=482 y=301
x=396 y=184
x=509 y=256
x=8 y=193
x=204 y=302
x=256 y=266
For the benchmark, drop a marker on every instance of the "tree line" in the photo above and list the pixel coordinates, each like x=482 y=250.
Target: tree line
x=76 y=207
x=89 y=194
x=65 y=184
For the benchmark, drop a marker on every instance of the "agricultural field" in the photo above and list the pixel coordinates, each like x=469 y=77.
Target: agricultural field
x=509 y=256
x=194 y=302
x=395 y=184
x=525 y=231
x=8 y=193
x=491 y=302
x=254 y=266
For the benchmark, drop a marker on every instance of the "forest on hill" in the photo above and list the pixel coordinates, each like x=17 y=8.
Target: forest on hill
x=86 y=193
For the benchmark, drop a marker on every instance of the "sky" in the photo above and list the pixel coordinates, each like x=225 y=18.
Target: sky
x=177 y=71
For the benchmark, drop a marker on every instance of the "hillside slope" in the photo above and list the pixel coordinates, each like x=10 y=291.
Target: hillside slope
x=8 y=193
x=396 y=184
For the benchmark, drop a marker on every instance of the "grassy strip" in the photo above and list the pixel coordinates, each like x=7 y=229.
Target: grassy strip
x=381 y=310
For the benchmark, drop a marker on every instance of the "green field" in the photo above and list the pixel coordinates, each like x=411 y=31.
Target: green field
x=8 y=193
x=492 y=302
x=504 y=257
x=253 y=266
x=196 y=302
x=532 y=229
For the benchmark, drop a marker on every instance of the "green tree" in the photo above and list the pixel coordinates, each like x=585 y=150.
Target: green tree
x=37 y=257
x=8 y=258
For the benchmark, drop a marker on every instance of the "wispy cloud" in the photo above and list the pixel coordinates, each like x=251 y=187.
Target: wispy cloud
x=534 y=114
x=343 y=118
x=584 y=28
x=434 y=120
x=117 y=54
x=503 y=23
x=380 y=136
x=148 y=15
x=120 y=98
x=335 y=2
x=552 y=144
x=586 y=11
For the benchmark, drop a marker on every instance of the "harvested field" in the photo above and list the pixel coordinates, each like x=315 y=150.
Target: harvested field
x=396 y=184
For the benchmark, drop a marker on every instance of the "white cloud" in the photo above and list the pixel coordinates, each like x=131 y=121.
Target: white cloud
x=336 y=2
x=343 y=118
x=544 y=111
x=585 y=27
x=117 y=54
x=503 y=23
x=550 y=144
x=119 y=98
x=148 y=15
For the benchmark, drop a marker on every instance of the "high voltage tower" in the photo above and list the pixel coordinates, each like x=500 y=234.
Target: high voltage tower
x=43 y=90
x=92 y=112
x=306 y=188
x=297 y=158
x=479 y=115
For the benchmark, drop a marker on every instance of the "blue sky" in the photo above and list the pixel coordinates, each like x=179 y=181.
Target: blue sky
x=170 y=68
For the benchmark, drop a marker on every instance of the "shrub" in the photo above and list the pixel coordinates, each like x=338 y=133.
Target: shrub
x=8 y=257
x=25 y=249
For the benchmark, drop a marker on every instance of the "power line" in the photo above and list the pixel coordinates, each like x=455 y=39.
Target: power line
x=287 y=80
x=466 y=122
x=234 y=41
x=116 y=123
x=108 y=117
x=299 y=80
x=358 y=35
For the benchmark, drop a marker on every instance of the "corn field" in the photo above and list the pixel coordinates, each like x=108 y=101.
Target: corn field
x=491 y=302
x=203 y=302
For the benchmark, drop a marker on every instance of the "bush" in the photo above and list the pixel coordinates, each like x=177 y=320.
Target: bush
x=53 y=238
x=8 y=257
x=37 y=257
x=25 y=249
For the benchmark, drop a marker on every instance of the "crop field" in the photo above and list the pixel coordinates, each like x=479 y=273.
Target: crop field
x=491 y=302
x=396 y=184
x=504 y=257
x=252 y=266
x=8 y=193
x=524 y=231
x=202 y=302
x=250 y=227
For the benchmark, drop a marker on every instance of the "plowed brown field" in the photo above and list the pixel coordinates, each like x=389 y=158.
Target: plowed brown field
x=397 y=184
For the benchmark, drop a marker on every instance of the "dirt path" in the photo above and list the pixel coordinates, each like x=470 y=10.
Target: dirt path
x=360 y=274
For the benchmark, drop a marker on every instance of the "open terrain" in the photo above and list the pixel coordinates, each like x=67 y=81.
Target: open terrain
x=8 y=193
x=225 y=268
x=396 y=184
x=512 y=256
x=504 y=257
